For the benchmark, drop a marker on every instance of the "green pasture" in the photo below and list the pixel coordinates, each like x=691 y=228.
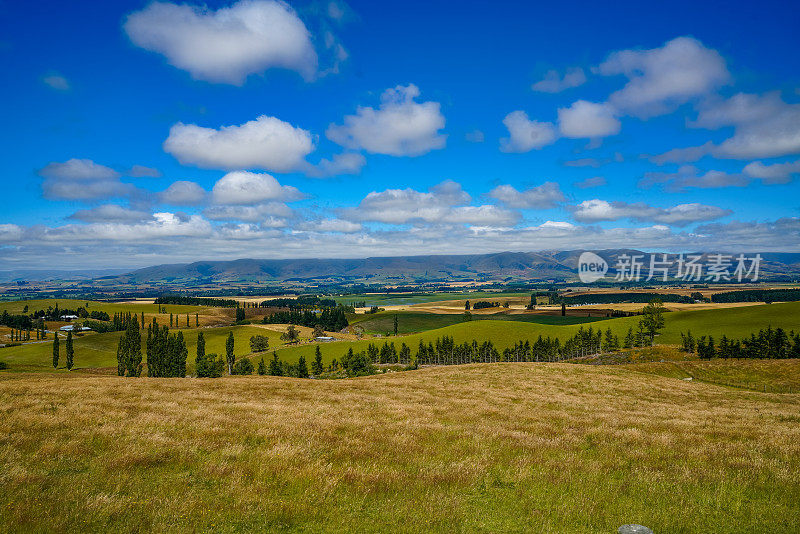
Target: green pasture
x=17 y=306
x=414 y=322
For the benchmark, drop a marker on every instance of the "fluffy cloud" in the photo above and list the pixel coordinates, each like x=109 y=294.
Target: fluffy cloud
x=10 y=233
x=345 y=163
x=110 y=213
x=183 y=193
x=601 y=210
x=268 y=211
x=554 y=83
x=78 y=170
x=228 y=44
x=82 y=179
x=266 y=143
x=765 y=126
x=247 y=188
x=777 y=173
x=587 y=119
x=399 y=127
x=442 y=204
x=334 y=225
x=683 y=155
x=525 y=135
x=545 y=196
x=661 y=78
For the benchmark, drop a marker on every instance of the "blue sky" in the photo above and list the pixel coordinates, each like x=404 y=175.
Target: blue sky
x=140 y=133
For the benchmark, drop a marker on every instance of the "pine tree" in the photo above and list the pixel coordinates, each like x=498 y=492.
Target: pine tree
x=563 y=310
x=302 y=368
x=229 y=357
x=70 y=352
x=262 y=367
x=55 y=351
x=395 y=324
x=275 y=366
x=197 y=319
x=316 y=365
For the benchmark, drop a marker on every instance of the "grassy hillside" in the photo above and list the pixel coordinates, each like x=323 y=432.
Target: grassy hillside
x=16 y=306
x=100 y=350
x=412 y=322
x=776 y=376
x=481 y=448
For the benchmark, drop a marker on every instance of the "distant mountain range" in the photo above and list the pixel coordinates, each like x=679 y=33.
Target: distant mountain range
x=405 y=270
x=499 y=268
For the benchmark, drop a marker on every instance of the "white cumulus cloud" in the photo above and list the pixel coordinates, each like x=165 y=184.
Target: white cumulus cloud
x=597 y=210
x=544 y=196
x=183 y=193
x=587 y=120
x=228 y=44
x=661 y=78
x=247 y=188
x=553 y=82
x=266 y=143
x=525 y=134
x=399 y=127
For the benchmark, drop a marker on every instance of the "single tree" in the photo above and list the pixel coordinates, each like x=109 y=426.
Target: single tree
x=302 y=368
x=653 y=318
x=563 y=309
x=69 y=351
x=395 y=324
x=316 y=365
x=262 y=367
x=275 y=366
x=229 y=357
x=291 y=335
x=466 y=306
x=55 y=351
x=319 y=331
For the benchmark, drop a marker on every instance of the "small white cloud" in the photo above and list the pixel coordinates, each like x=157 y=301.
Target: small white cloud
x=554 y=83
x=266 y=143
x=228 y=44
x=345 y=163
x=247 y=188
x=548 y=195
x=587 y=120
x=82 y=179
x=601 y=210
x=525 y=135
x=267 y=213
x=78 y=169
x=183 y=193
x=335 y=225
x=777 y=173
x=399 y=127
x=57 y=82
x=661 y=78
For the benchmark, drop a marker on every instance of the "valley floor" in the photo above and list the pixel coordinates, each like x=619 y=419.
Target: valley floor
x=477 y=448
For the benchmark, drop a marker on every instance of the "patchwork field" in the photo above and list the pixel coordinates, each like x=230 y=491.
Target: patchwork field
x=479 y=448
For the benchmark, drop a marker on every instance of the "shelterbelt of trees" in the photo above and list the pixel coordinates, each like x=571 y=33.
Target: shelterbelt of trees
x=769 y=343
x=758 y=295
x=330 y=319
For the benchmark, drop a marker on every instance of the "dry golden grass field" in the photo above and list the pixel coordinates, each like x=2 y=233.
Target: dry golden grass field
x=477 y=448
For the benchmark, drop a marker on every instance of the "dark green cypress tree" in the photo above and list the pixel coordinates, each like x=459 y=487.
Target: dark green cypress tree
x=316 y=365
x=182 y=354
x=229 y=356
x=70 y=351
x=200 y=363
x=302 y=368
x=134 y=349
x=275 y=366
x=262 y=367
x=55 y=351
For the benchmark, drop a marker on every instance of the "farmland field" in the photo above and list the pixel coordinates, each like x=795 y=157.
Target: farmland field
x=478 y=448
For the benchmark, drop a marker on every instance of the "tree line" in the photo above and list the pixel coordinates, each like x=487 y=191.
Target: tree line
x=758 y=295
x=769 y=343
x=330 y=319
x=196 y=301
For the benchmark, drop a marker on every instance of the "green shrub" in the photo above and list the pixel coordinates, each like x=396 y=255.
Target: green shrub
x=210 y=366
x=243 y=367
